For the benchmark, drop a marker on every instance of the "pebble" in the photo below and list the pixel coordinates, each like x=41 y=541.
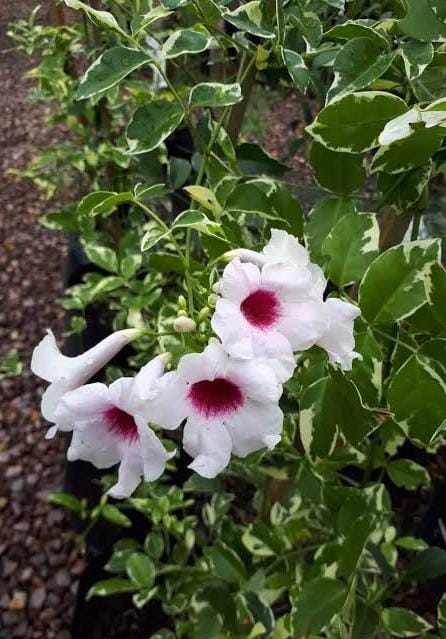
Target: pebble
x=37 y=599
x=18 y=601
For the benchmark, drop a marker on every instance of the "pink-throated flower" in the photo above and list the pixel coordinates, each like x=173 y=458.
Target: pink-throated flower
x=231 y=406
x=109 y=425
x=67 y=373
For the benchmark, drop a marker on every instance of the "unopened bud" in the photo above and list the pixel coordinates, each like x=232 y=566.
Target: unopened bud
x=182 y=314
x=184 y=325
x=216 y=287
x=212 y=300
x=182 y=304
x=203 y=314
x=166 y=358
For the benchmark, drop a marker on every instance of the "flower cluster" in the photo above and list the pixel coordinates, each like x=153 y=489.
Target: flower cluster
x=269 y=306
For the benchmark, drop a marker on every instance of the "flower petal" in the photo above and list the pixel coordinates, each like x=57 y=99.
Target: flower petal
x=239 y=280
x=338 y=339
x=153 y=453
x=303 y=323
x=83 y=404
x=284 y=247
x=291 y=282
x=255 y=426
x=94 y=444
x=168 y=406
x=47 y=361
x=233 y=330
x=129 y=475
x=256 y=379
x=209 y=444
x=147 y=376
x=195 y=367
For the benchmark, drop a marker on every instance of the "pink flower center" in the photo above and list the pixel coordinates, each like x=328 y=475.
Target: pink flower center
x=121 y=424
x=261 y=308
x=215 y=398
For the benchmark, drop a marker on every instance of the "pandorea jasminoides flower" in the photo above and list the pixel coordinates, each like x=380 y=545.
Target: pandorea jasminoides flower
x=67 y=373
x=338 y=339
x=109 y=426
x=268 y=312
x=231 y=406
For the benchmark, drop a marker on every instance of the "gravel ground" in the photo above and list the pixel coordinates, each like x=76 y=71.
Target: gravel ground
x=38 y=564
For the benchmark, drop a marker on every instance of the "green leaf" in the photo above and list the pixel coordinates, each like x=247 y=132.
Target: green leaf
x=139 y=23
x=411 y=543
x=341 y=173
x=154 y=545
x=151 y=124
x=412 y=152
x=141 y=598
x=204 y=196
x=215 y=94
x=186 y=41
x=109 y=69
x=152 y=236
x=179 y=172
x=367 y=373
x=357 y=65
x=297 y=68
x=351 y=247
x=441 y=616
x=429 y=564
x=111 y=586
x=102 y=19
x=421 y=22
x=403 y=190
x=253 y=160
x=115 y=516
x=322 y=218
x=352 y=29
x=249 y=17
x=308 y=25
x=435 y=285
x=354 y=544
x=318 y=601
x=102 y=256
x=416 y=57
x=417 y=396
x=197 y=220
x=140 y=570
x=130 y=265
x=331 y=405
x=353 y=122
x=67 y=501
x=226 y=564
x=407 y=474
x=102 y=202
x=393 y=286
x=404 y=623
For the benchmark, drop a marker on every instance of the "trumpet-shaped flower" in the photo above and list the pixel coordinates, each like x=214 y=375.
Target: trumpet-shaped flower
x=231 y=406
x=67 y=373
x=268 y=312
x=109 y=426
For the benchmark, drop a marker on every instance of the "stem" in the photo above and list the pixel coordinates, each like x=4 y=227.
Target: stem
x=415 y=225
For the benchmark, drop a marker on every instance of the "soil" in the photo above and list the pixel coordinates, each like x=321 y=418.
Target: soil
x=39 y=565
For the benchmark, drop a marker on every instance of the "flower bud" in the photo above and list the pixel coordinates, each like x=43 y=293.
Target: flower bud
x=166 y=358
x=182 y=314
x=184 y=325
x=216 y=287
x=203 y=314
x=182 y=304
x=212 y=300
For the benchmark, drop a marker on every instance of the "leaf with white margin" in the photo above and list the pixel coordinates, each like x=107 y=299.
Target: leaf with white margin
x=410 y=153
x=351 y=246
x=152 y=236
x=186 y=41
x=393 y=285
x=407 y=474
x=416 y=57
x=250 y=17
x=367 y=372
x=204 y=196
x=422 y=23
x=109 y=69
x=215 y=94
x=356 y=29
x=353 y=122
x=341 y=173
x=417 y=392
x=322 y=218
x=317 y=602
x=401 y=622
x=403 y=191
x=297 y=68
x=406 y=124
x=102 y=19
x=357 y=65
x=199 y=221
x=139 y=23
x=151 y=124
x=436 y=292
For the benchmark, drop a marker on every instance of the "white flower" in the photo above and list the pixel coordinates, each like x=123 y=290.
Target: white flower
x=338 y=339
x=67 y=373
x=231 y=406
x=109 y=426
x=268 y=312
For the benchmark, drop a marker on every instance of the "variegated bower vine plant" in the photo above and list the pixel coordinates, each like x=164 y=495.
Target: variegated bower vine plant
x=295 y=359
